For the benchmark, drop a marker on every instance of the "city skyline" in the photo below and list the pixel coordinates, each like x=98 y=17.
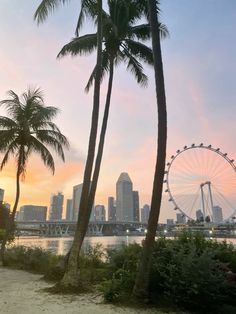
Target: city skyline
x=199 y=86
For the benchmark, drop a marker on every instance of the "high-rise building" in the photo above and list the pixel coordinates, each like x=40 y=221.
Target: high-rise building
x=111 y=209
x=145 y=213
x=99 y=213
x=56 y=207
x=69 y=210
x=1 y=195
x=180 y=218
x=124 y=198
x=170 y=222
x=77 y=191
x=136 y=206
x=217 y=214
x=199 y=215
x=32 y=213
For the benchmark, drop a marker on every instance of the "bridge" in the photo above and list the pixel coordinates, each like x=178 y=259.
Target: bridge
x=66 y=228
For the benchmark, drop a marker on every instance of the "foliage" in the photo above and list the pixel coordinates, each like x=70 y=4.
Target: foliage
x=122 y=266
x=4 y=221
x=29 y=128
x=189 y=271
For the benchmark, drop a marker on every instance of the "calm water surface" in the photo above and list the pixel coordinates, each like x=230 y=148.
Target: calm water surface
x=62 y=245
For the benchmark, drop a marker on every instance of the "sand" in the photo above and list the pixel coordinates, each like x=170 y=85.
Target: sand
x=20 y=293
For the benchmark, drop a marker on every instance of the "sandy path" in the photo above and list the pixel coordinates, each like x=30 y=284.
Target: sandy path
x=19 y=294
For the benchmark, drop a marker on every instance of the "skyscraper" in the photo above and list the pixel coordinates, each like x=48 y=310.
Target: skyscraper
x=136 y=206
x=145 y=213
x=1 y=195
x=99 y=213
x=56 y=206
x=77 y=190
x=180 y=218
x=199 y=215
x=124 y=198
x=69 y=210
x=32 y=213
x=111 y=209
x=217 y=215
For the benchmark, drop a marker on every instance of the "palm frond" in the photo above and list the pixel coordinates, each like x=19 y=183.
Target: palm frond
x=10 y=150
x=45 y=154
x=79 y=46
x=88 y=9
x=139 y=50
x=46 y=7
x=135 y=68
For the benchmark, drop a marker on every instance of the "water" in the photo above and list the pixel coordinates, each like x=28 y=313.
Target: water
x=62 y=245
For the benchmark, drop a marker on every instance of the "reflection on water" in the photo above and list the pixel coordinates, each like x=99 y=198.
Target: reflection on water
x=62 y=245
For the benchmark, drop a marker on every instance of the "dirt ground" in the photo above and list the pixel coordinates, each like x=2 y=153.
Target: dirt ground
x=20 y=293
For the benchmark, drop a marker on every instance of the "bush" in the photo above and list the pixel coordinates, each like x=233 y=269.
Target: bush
x=122 y=266
x=35 y=260
x=189 y=271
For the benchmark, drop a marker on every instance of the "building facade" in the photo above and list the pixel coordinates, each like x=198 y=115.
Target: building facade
x=69 y=210
x=136 y=206
x=56 y=207
x=99 y=213
x=1 y=195
x=111 y=209
x=124 y=198
x=32 y=213
x=145 y=213
x=217 y=214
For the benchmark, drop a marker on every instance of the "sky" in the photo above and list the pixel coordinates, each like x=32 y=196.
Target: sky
x=199 y=67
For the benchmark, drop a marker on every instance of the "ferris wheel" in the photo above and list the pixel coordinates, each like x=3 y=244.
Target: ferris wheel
x=201 y=184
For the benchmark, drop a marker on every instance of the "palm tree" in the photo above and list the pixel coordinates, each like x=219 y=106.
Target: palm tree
x=87 y=6
x=142 y=279
x=121 y=43
x=27 y=129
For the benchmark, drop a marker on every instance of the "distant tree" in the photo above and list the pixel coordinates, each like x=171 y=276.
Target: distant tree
x=207 y=219
x=28 y=129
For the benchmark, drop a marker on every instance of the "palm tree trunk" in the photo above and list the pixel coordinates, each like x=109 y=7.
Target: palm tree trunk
x=71 y=276
x=10 y=224
x=142 y=279
x=101 y=143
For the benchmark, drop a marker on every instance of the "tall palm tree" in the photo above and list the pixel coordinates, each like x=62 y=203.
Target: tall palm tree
x=71 y=275
x=27 y=129
x=142 y=279
x=121 y=43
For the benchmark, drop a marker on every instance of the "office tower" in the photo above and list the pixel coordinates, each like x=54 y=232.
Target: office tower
x=124 y=198
x=1 y=195
x=199 y=215
x=32 y=213
x=180 y=218
x=77 y=191
x=170 y=222
x=99 y=213
x=217 y=215
x=145 y=213
x=69 y=210
x=56 y=207
x=111 y=209
x=136 y=206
